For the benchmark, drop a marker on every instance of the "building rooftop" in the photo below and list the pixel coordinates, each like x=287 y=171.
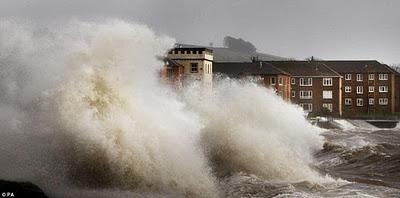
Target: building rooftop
x=353 y=66
x=245 y=68
x=304 y=68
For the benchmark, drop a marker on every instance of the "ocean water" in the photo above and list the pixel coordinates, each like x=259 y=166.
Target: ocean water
x=83 y=114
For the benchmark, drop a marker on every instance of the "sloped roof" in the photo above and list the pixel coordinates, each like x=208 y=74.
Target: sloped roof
x=246 y=68
x=354 y=66
x=304 y=68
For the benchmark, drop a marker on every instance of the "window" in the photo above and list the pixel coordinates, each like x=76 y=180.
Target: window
x=327 y=81
x=359 y=90
x=383 y=89
x=194 y=67
x=273 y=80
x=360 y=102
x=347 y=89
x=359 y=77
x=347 y=101
x=293 y=94
x=305 y=81
x=328 y=106
x=371 y=101
x=305 y=94
x=371 y=89
x=383 y=77
x=306 y=107
x=347 y=76
x=280 y=81
x=293 y=81
x=371 y=77
x=383 y=101
x=327 y=94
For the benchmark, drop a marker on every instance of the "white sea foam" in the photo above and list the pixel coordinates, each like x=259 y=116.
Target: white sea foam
x=249 y=128
x=81 y=105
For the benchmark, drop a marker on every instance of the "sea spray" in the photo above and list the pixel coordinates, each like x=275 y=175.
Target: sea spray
x=249 y=128
x=109 y=122
x=82 y=107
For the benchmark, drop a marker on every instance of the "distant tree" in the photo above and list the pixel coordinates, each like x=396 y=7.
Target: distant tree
x=396 y=67
x=324 y=112
x=238 y=44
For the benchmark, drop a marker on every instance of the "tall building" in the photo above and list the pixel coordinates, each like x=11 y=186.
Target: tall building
x=197 y=62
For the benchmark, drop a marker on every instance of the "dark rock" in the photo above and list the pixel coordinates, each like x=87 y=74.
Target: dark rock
x=20 y=189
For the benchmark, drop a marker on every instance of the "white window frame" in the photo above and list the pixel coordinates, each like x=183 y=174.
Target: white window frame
x=371 y=101
x=371 y=89
x=309 y=105
x=270 y=80
x=347 y=101
x=360 y=90
x=280 y=80
x=371 y=76
x=347 y=77
x=383 y=89
x=293 y=94
x=383 y=77
x=347 y=89
x=359 y=78
x=305 y=82
x=303 y=94
x=293 y=81
x=327 y=81
x=360 y=102
x=327 y=94
x=383 y=101
x=328 y=106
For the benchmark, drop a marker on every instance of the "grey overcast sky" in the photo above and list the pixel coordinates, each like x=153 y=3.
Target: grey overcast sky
x=328 y=29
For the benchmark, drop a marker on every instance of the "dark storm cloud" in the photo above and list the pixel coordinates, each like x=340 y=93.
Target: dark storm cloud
x=340 y=29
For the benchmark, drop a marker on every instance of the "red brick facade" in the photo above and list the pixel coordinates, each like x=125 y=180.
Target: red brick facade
x=280 y=83
x=317 y=100
x=397 y=92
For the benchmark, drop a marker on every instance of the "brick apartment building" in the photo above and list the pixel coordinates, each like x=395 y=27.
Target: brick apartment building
x=314 y=86
x=397 y=92
x=368 y=87
x=268 y=75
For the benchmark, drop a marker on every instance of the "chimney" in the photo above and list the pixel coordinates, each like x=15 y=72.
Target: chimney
x=254 y=59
